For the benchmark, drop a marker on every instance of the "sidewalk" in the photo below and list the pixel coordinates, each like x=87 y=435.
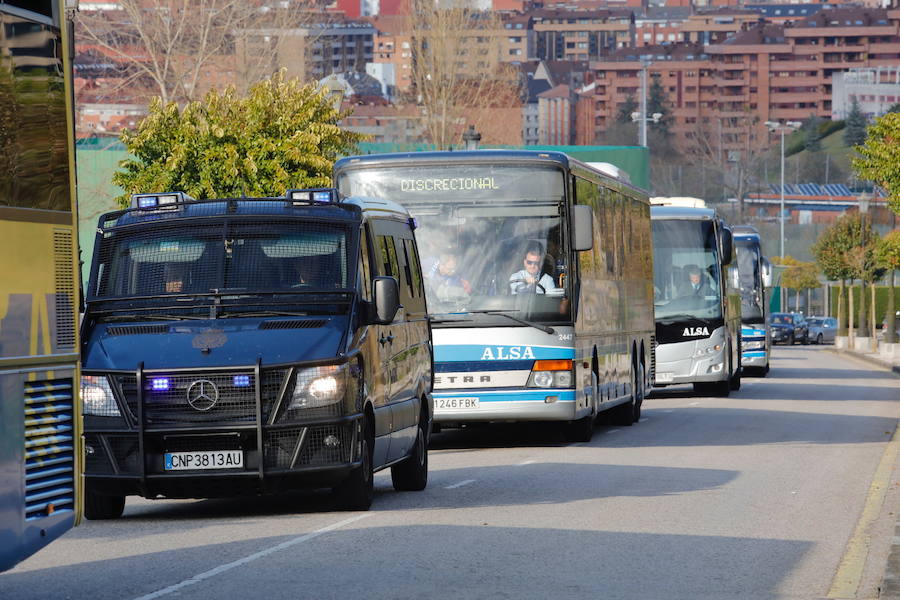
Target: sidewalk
x=890 y=583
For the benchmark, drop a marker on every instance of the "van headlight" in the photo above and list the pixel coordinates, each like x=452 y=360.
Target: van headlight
x=319 y=386
x=97 y=397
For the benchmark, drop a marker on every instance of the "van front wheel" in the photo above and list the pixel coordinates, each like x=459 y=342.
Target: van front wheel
x=358 y=490
x=412 y=474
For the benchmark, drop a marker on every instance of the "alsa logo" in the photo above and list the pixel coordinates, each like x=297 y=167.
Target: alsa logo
x=695 y=331
x=507 y=353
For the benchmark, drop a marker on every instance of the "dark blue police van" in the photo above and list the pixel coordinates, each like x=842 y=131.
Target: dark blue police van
x=249 y=346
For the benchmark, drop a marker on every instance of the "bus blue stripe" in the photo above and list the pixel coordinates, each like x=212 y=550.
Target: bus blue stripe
x=510 y=396
x=476 y=366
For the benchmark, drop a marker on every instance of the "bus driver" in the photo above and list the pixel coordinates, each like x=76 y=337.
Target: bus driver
x=530 y=280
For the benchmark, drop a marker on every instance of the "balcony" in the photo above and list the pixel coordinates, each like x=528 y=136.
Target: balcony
x=791 y=97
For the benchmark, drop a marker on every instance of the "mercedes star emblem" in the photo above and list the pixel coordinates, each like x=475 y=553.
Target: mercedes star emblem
x=202 y=394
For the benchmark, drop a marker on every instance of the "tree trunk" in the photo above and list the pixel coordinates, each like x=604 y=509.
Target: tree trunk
x=850 y=331
x=890 y=330
x=872 y=313
x=862 y=330
x=842 y=310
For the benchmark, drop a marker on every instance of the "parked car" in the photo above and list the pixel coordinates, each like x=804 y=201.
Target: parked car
x=788 y=328
x=822 y=329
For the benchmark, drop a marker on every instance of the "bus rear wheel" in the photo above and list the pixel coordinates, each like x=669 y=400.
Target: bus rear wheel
x=98 y=507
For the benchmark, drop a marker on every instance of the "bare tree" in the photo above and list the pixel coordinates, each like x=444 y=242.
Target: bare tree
x=733 y=148
x=178 y=49
x=457 y=74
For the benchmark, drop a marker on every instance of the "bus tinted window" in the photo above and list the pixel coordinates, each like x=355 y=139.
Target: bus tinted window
x=34 y=166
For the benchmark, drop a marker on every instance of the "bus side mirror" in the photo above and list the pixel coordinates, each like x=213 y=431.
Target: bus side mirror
x=727 y=246
x=582 y=227
x=766 y=272
x=386 y=298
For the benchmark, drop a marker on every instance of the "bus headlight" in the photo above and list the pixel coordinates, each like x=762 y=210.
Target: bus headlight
x=702 y=352
x=319 y=386
x=551 y=373
x=97 y=397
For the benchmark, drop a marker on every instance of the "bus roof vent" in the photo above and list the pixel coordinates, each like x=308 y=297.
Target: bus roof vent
x=611 y=170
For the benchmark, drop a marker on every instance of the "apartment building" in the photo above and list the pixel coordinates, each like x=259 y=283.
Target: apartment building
x=562 y=34
x=765 y=72
x=392 y=52
x=876 y=89
x=309 y=52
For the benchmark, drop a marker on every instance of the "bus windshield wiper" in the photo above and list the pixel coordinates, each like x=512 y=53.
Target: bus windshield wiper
x=502 y=313
x=678 y=317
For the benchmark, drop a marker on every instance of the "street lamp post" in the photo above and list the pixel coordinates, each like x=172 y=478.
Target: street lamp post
x=863 y=309
x=782 y=128
x=472 y=138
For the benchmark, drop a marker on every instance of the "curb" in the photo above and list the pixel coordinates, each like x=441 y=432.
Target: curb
x=867 y=358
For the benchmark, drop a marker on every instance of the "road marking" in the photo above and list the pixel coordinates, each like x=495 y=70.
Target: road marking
x=526 y=462
x=849 y=573
x=613 y=430
x=460 y=484
x=693 y=404
x=247 y=559
x=668 y=411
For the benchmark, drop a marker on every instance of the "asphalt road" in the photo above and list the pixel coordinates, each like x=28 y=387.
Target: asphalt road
x=766 y=494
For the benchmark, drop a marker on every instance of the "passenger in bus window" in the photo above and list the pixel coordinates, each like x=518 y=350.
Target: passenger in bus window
x=531 y=279
x=444 y=278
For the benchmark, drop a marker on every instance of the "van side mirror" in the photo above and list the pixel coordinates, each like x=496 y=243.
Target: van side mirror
x=582 y=227
x=727 y=246
x=766 y=272
x=386 y=298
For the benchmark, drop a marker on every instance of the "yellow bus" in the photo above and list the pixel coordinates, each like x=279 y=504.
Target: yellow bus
x=39 y=412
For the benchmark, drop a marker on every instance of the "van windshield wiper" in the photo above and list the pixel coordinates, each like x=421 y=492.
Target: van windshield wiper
x=261 y=313
x=538 y=326
x=153 y=317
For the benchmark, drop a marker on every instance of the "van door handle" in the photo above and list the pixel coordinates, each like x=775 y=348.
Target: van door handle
x=384 y=340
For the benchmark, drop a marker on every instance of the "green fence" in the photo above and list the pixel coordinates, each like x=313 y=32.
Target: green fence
x=881 y=301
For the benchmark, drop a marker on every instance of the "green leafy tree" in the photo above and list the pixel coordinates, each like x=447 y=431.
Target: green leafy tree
x=812 y=141
x=657 y=102
x=887 y=255
x=894 y=108
x=831 y=251
x=799 y=276
x=879 y=157
x=629 y=106
x=281 y=135
x=855 y=128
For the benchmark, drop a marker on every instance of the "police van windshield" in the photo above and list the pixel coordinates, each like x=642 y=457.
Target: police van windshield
x=213 y=257
x=686 y=282
x=491 y=237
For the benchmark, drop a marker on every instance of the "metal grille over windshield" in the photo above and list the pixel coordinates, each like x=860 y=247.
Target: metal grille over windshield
x=160 y=260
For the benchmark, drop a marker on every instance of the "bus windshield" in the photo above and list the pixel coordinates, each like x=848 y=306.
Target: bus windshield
x=490 y=236
x=751 y=282
x=162 y=260
x=686 y=273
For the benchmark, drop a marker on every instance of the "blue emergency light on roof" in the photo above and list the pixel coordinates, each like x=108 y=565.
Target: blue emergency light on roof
x=313 y=195
x=159 y=200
